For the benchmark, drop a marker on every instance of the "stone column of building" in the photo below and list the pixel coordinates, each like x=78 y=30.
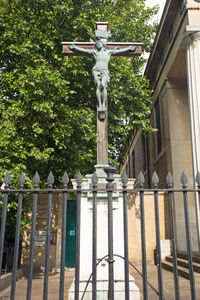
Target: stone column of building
x=191 y=43
x=193 y=76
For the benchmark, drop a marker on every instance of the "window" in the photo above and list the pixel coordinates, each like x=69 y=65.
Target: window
x=182 y=6
x=127 y=170
x=162 y=56
x=158 y=126
x=154 y=76
x=144 y=152
x=171 y=33
x=133 y=164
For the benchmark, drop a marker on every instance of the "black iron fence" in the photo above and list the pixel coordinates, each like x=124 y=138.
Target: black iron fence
x=170 y=191
x=7 y=260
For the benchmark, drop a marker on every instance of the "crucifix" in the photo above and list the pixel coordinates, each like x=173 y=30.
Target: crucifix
x=102 y=50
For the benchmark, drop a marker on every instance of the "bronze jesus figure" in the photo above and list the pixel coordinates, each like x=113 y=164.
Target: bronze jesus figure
x=100 y=70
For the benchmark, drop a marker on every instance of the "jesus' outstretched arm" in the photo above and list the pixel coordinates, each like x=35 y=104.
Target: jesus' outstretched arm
x=83 y=50
x=124 y=50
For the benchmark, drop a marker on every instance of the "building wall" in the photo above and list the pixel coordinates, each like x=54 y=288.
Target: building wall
x=170 y=148
x=139 y=159
x=39 y=249
x=175 y=154
x=134 y=225
x=179 y=130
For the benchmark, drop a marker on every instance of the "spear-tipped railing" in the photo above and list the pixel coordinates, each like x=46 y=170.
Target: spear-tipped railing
x=140 y=189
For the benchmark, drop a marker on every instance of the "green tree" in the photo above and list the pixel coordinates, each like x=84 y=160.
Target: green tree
x=47 y=101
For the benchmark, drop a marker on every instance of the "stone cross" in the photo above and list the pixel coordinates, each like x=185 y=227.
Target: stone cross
x=102 y=50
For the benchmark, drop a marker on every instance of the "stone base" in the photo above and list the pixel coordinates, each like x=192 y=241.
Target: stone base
x=102 y=240
x=102 y=290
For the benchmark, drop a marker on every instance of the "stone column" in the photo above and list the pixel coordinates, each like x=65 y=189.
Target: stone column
x=193 y=77
x=191 y=43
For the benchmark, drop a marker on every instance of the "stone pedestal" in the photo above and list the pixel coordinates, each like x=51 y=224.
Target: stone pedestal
x=102 y=241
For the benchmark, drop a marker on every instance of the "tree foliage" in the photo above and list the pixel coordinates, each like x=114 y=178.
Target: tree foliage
x=47 y=101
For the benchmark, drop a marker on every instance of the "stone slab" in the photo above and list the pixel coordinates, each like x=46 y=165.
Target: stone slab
x=102 y=290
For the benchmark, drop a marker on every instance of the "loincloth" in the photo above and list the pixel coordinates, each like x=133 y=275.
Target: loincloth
x=101 y=75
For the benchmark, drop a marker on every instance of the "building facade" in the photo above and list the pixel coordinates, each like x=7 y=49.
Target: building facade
x=173 y=70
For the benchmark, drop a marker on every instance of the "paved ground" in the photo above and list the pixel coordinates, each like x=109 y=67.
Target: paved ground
x=37 y=288
x=168 y=284
x=152 y=277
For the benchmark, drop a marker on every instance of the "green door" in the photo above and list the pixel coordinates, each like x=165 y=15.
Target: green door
x=70 y=234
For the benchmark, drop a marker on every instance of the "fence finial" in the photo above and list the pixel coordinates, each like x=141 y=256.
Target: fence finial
x=7 y=179
x=94 y=179
x=65 y=179
x=36 y=179
x=50 y=179
x=198 y=178
x=155 y=179
x=21 y=180
x=124 y=179
x=169 y=179
x=141 y=179
x=79 y=179
x=184 y=179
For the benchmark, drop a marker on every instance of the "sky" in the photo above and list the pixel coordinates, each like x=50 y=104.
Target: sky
x=161 y=4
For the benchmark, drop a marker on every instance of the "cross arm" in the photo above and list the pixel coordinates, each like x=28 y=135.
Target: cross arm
x=109 y=46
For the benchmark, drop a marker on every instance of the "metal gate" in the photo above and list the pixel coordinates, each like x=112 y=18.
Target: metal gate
x=21 y=191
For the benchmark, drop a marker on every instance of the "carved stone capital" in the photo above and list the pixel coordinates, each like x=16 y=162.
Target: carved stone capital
x=190 y=36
